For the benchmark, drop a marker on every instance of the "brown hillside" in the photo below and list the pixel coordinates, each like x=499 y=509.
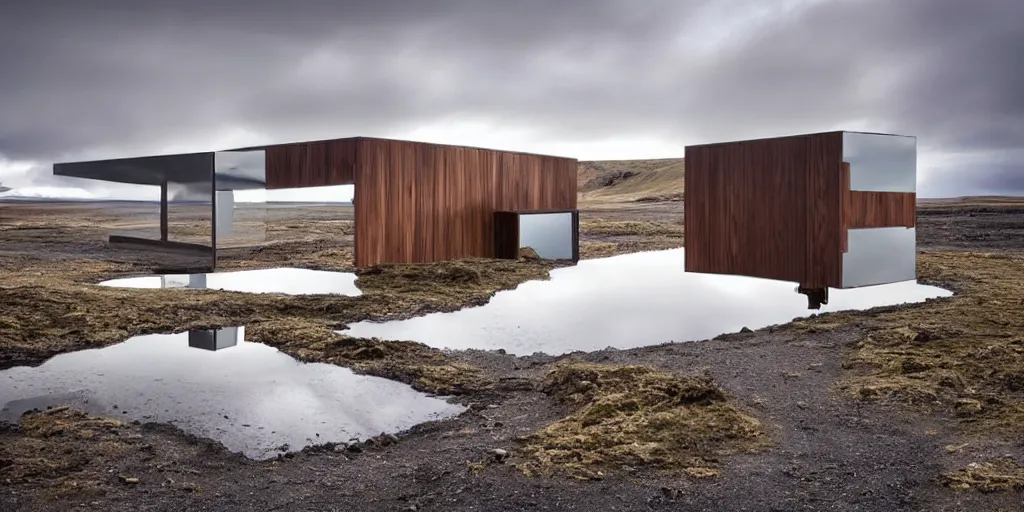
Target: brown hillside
x=631 y=180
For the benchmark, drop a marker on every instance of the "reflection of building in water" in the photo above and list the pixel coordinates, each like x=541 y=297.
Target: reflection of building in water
x=183 y=281
x=824 y=210
x=214 y=339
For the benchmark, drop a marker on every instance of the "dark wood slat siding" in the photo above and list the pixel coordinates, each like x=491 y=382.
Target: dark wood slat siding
x=765 y=208
x=866 y=209
x=881 y=209
x=823 y=164
x=419 y=202
x=313 y=164
x=371 y=203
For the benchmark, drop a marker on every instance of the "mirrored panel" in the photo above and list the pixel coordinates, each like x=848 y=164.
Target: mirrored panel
x=321 y=218
x=550 y=235
x=880 y=256
x=190 y=210
x=139 y=223
x=136 y=214
x=881 y=163
x=240 y=180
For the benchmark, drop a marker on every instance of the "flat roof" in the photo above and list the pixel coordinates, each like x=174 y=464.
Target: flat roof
x=777 y=137
x=319 y=141
x=198 y=167
x=144 y=170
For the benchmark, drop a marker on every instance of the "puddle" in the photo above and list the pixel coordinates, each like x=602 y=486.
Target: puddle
x=291 y=281
x=624 y=302
x=250 y=397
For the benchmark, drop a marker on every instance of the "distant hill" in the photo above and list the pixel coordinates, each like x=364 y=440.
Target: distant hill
x=631 y=180
x=969 y=200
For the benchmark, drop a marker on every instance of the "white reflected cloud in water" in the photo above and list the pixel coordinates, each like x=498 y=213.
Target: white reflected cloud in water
x=624 y=302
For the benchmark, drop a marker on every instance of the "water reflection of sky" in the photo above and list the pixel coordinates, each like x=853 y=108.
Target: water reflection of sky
x=627 y=301
x=292 y=281
x=250 y=397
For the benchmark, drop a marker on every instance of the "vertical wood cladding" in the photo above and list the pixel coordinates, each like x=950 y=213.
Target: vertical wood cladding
x=865 y=209
x=823 y=165
x=881 y=209
x=418 y=202
x=766 y=208
x=311 y=164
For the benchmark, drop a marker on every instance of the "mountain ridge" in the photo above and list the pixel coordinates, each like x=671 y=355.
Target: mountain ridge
x=621 y=181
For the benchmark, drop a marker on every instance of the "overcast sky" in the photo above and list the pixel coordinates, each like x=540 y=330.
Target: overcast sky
x=592 y=79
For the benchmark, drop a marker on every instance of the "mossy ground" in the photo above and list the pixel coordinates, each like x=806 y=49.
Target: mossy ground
x=62 y=450
x=963 y=355
x=992 y=476
x=642 y=228
x=51 y=307
x=65 y=453
x=590 y=250
x=637 y=417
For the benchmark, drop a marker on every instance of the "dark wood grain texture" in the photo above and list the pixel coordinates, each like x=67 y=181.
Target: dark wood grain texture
x=767 y=208
x=417 y=202
x=823 y=164
x=866 y=209
x=881 y=209
x=312 y=164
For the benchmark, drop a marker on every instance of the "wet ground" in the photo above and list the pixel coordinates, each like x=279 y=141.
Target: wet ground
x=626 y=301
x=290 y=281
x=249 y=397
x=880 y=410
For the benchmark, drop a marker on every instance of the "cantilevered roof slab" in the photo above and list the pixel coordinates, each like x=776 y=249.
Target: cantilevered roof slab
x=234 y=170
x=146 y=170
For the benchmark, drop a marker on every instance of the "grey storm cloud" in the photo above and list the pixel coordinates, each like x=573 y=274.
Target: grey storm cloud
x=131 y=76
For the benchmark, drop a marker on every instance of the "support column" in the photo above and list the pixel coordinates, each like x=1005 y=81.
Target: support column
x=163 y=211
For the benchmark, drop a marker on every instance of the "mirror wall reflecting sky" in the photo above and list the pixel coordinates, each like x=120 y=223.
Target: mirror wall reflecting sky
x=549 y=234
x=240 y=178
x=881 y=163
x=880 y=256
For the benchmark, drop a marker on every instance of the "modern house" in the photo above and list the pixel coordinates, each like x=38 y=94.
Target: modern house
x=414 y=202
x=824 y=210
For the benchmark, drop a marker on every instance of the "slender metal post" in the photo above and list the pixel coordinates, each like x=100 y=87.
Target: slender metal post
x=163 y=211
x=213 y=208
